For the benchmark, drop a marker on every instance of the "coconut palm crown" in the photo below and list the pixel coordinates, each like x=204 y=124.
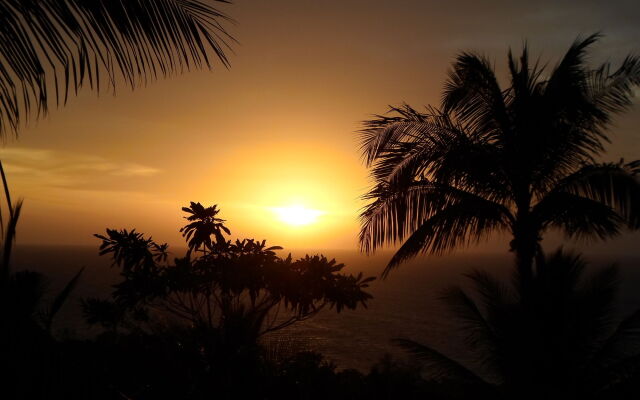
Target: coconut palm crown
x=520 y=160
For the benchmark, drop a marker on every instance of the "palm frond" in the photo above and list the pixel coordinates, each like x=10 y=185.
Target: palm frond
x=578 y=104
x=465 y=221
x=7 y=194
x=596 y=299
x=612 y=92
x=473 y=94
x=615 y=185
x=578 y=216
x=405 y=150
x=62 y=45
x=60 y=300
x=525 y=79
x=570 y=74
x=560 y=272
x=398 y=212
x=619 y=374
x=9 y=239
x=475 y=323
x=624 y=341
x=493 y=293
x=439 y=366
x=382 y=132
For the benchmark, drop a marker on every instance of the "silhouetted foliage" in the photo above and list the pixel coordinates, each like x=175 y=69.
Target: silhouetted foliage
x=562 y=344
x=239 y=290
x=195 y=324
x=519 y=159
x=26 y=318
x=65 y=44
x=22 y=292
x=202 y=227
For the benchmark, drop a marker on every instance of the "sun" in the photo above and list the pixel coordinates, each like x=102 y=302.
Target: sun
x=297 y=215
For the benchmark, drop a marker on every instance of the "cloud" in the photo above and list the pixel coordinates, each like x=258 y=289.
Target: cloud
x=69 y=170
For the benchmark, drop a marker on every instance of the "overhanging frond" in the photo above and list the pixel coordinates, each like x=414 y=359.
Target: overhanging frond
x=625 y=341
x=578 y=216
x=61 y=45
x=612 y=91
x=382 y=133
x=578 y=104
x=403 y=149
x=615 y=185
x=438 y=365
x=480 y=316
x=466 y=220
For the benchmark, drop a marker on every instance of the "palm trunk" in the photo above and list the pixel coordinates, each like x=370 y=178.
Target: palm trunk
x=524 y=249
x=525 y=245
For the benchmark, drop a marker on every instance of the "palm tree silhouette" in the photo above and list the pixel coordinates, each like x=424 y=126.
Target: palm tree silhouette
x=561 y=344
x=65 y=44
x=520 y=159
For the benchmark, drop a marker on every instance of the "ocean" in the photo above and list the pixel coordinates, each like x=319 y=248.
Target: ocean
x=406 y=304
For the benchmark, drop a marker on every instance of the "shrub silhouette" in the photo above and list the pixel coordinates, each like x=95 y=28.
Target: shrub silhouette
x=235 y=291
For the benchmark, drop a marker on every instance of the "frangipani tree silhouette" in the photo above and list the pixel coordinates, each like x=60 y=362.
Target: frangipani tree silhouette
x=520 y=159
x=60 y=46
x=237 y=291
x=564 y=343
x=203 y=226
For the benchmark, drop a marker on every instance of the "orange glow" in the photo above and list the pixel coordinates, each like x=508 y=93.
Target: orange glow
x=275 y=130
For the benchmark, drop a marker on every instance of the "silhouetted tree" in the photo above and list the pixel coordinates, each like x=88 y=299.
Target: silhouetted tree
x=520 y=159
x=241 y=290
x=562 y=344
x=65 y=44
x=202 y=227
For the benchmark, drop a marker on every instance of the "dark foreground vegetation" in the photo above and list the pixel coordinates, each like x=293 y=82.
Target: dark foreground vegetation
x=518 y=159
x=191 y=328
x=198 y=327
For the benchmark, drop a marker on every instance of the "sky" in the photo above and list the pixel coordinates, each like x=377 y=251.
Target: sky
x=277 y=129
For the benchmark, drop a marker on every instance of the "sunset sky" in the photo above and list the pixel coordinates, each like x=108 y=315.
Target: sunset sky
x=276 y=130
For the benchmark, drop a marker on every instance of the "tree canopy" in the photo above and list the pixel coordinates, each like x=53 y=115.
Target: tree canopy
x=231 y=282
x=519 y=159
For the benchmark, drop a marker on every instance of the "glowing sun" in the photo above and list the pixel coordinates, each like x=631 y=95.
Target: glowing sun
x=297 y=215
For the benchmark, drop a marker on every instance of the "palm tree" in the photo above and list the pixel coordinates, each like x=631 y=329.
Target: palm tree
x=520 y=159
x=61 y=45
x=562 y=344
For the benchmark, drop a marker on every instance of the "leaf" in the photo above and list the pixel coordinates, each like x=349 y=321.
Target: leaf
x=61 y=298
